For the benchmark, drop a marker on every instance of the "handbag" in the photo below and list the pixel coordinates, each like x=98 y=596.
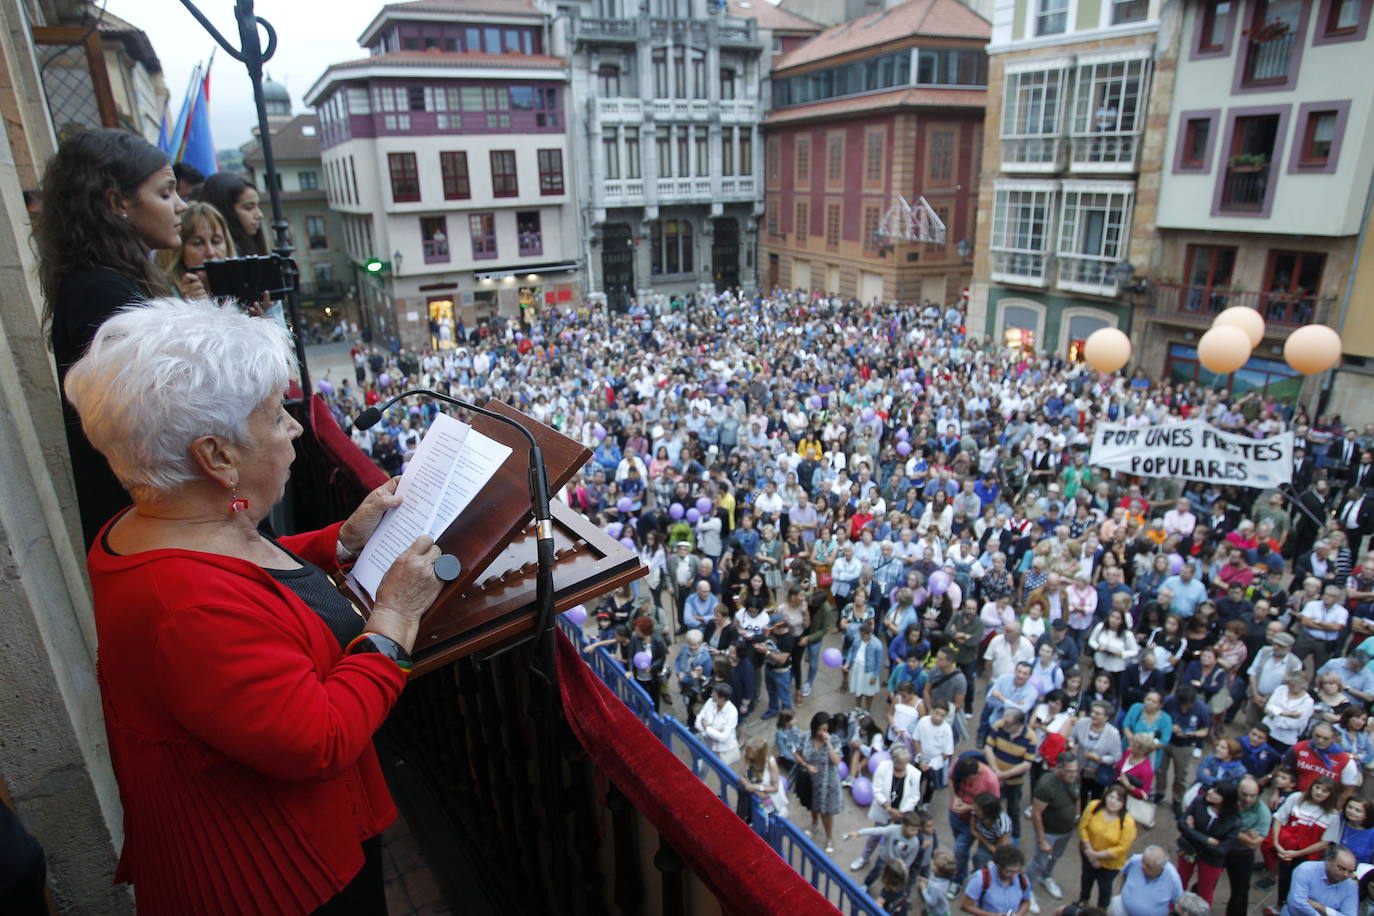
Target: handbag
x=1141 y=811
x=1220 y=702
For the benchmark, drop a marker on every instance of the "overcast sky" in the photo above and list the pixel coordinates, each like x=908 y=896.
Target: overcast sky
x=310 y=37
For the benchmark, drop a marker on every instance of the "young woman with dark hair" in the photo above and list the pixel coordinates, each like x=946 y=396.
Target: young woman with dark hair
x=109 y=199
x=1207 y=833
x=237 y=199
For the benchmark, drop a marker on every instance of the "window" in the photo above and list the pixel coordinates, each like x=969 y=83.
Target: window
x=416 y=98
x=608 y=81
x=315 y=233
x=503 y=178
x=434 y=239
x=1215 y=27
x=1031 y=116
x=873 y=158
x=610 y=155
x=664 y=148
x=405 y=177
x=1052 y=17
x=951 y=67
x=1197 y=137
x=680 y=74
x=832 y=225
x=727 y=152
x=1020 y=233
x=324 y=277
x=1124 y=11
x=482 y=228
x=698 y=77
x=803 y=160
x=772 y=210
x=545 y=107
x=1207 y=278
x=632 y=152
x=661 y=89
x=703 y=163
x=1248 y=179
x=528 y=233
x=1343 y=18
x=670 y=247
x=774 y=155
x=834 y=159
x=1272 y=42
x=309 y=181
x=941 y=156
x=1093 y=229
x=1108 y=111
x=496 y=102
x=1292 y=281
x=727 y=84
x=872 y=221
x=870 y=75
x=550 y=171
x=683 y=169
x=802 y=220
x=1317 y=138
x=746 y=151
x=454 y=168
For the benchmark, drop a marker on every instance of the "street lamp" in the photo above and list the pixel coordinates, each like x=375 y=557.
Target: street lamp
x=964 y=249
x=396 y=258
x=1125 y=274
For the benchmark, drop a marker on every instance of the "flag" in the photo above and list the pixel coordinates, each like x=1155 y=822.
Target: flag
x=177 y=135
x=164 y=134
x=197 y=147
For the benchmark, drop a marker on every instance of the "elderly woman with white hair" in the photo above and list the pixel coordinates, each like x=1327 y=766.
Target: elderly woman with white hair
x=241 y=690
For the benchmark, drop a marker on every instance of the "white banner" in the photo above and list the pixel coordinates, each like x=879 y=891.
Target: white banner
x=1194 y=450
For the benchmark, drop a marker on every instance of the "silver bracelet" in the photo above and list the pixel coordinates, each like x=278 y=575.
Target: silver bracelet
x=342 y=553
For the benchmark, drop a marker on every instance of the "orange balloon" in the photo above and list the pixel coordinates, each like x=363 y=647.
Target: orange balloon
x=1245 y=318
x=1312 y=348
x=1107 y=350
x=1224 y=349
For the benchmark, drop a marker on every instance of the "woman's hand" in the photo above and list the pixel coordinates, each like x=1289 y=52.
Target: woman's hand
x=192 y=287
x=353 y=534
x=410 y=585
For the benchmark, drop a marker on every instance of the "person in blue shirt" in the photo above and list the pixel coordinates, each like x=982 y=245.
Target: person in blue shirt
x=1225 y=764
x=607 y=455
x=1259 y=755
x=1001 y=887
x=1325 y=888
x=1357 y=679
x=1187 y=589
x=1149 y=884
x=910 y=670
x=745 y=539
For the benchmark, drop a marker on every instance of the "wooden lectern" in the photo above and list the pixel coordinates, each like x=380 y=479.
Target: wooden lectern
x=491 y=604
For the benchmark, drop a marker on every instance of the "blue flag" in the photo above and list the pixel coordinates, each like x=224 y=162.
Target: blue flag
x=197 y=147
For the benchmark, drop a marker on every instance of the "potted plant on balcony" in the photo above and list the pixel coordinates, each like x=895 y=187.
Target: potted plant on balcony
x=1272 y=30
x=1248 y=162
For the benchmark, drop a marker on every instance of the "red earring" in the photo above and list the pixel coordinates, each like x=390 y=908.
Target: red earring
x=236 y=504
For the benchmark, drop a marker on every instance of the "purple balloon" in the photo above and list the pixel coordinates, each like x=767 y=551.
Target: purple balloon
x=722 y=388
x=843 y=768
x=643 y=659
x=939 y=582
x=904 y=448
x=614 y=529
x=814 y=402
x=1175 y=563
x=599 y=431
x=414 y=410
x=384 y=380
x=676 y=510
x=628 y=543
x=832 y=657
x=903 y=434
x=862 y=790
x=867 y=414
x=704 y=505
x=404 y=465
x=625 y=504
x=876 y=758
x=693 y=516
x=325 y=386
x=577 y=614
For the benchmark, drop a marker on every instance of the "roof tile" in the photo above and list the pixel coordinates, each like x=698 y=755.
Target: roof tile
x=930 y=18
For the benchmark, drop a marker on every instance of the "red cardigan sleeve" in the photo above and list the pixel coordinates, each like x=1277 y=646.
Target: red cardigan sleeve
x=241 y=680
x=315 y=546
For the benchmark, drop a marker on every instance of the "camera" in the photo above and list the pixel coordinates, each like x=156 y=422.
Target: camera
x=246 y=279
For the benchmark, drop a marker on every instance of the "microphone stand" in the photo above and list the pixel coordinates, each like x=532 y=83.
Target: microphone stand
x=543 y=520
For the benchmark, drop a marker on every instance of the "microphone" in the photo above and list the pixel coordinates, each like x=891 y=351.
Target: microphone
x=539 y=499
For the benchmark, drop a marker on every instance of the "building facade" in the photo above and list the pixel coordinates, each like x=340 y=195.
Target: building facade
x=876 y=129
x=1265 y=185
x=1078 y=101
x=666 y=114
x=446 y=153
x=316 y=228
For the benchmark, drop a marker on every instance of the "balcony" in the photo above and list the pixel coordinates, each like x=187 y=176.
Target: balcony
x=1104 y=153
x=606 y=29
x=628 y=193
x=678 y=29
x=1087 y=274
x=1245 y=188
x=738 y=112
x=1032 y=154
x=737 y=188
x=1021 y=268
x=1268 y=61
x=743 y=32
x=435 y=251
x=680 y=109
x=531 y=243
x=622 y=110
x=735 y=32
x=1199 y=305
x=684 y=188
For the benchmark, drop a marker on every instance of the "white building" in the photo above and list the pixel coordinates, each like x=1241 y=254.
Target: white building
x=446 y=152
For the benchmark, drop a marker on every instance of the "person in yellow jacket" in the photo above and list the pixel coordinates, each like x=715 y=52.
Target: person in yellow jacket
x=810 y=447
x=1106 y=833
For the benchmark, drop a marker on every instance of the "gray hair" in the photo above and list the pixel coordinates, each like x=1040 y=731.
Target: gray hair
x=162 y=374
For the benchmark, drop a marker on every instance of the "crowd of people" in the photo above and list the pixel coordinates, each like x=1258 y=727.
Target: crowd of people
x=817 y=485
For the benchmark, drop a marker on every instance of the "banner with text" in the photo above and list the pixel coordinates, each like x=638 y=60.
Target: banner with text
x=1194 y=450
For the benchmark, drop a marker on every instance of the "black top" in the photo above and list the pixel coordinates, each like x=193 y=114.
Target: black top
x=84 y=300
x=319 y=593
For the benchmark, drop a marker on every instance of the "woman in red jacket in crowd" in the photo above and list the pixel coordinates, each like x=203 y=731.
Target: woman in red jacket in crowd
x=241 y=690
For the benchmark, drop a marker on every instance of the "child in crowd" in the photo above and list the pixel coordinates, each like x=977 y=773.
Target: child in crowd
x=893 y=896
x=787 y=739
x=935 y=889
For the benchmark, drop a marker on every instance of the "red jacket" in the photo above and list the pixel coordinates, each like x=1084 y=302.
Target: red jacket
x=240 y=736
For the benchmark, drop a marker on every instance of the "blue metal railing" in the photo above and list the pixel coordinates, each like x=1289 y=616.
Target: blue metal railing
x=786 y=838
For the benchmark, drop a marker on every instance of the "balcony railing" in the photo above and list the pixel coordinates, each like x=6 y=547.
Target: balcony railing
x=619 y=109
x=1199 y=305
x=1115 y=150
x=623 y=192
x=1268 y=61
x=531 y=243
x=1087 y=274
x=1245 y=188
x=436 y=251
x=1032 y=154
x=1020 y=267
x=601 y=29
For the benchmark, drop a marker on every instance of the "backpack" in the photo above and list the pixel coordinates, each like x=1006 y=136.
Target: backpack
x=987 y=882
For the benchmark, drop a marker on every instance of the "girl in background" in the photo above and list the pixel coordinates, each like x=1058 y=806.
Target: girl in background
x=204 y=237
